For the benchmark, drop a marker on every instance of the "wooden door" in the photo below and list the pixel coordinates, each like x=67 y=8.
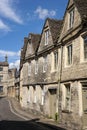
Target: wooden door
x=52 y=103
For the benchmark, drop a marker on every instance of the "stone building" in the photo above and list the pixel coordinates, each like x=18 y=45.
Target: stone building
x=11 y=82
x=53 y=75
x=3 y=77
x=39 y=71
x=73 y=76
x=17 y=84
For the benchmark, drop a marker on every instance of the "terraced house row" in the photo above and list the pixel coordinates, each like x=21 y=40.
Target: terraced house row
x=53 y=69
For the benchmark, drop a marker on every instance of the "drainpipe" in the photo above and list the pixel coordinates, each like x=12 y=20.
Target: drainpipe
x=59 y=84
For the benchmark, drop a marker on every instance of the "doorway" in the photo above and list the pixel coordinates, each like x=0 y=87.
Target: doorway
x=52 y=102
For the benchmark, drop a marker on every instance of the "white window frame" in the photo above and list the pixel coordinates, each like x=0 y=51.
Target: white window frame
x=45 y=63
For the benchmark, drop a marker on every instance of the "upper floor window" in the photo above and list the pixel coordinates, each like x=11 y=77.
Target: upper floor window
x=1 y=68
x=36 y=66
x=46 y=37
x=55 y=60
x=69 y=54
x=45 y=64
x=85 y=47
x=71 y=18
x=29 y=69
x=1 y=78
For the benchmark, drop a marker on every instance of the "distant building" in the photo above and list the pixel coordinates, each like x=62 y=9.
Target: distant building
x=4 y=76
x=11 y=82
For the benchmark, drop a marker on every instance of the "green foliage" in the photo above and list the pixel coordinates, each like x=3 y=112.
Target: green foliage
x=56 y=116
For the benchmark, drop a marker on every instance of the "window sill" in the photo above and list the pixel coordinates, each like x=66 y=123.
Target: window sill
x=66 y=111
x=68 y=66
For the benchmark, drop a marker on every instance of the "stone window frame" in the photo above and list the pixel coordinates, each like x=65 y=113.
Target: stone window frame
x=82 y=56
x=1 y=78
x=1 y=68
x=36 y=66
x=56 y=60
x=45 y=63
x=67 y=62
x=67 y=98
x=46 y=36
x=71 y=15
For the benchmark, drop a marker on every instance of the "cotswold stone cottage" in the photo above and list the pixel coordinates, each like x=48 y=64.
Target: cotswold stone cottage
x=73 y=88
x=3 y=77
x=53 y=71
x=39 y=73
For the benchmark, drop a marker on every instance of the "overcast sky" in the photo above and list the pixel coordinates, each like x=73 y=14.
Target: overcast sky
x=20 y=17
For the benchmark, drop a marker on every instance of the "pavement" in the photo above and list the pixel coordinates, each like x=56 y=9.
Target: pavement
x=31 y=115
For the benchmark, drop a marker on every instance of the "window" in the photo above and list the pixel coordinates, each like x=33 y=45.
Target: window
x=45 y=64
x=1 y=78
x=71 y=18
x=55 y=60
x=1 y=68
x=36 y=66
x=1 y=88
x=29 y=69
x=85 y=47
x=42 y=97
x=68 y=97
x=69 y=54
x=46 y=37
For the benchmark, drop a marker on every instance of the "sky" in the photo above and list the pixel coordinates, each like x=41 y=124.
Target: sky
x=18 y=18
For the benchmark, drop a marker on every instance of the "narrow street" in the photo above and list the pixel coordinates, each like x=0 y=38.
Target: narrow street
x=10 y=121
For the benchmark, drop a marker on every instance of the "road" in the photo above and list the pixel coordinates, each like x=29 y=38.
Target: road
x=10 y=121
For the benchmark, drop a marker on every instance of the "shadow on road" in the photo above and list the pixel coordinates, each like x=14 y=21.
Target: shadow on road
x=27 y=125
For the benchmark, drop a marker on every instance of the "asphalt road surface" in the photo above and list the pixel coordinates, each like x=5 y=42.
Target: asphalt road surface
x=10 y=121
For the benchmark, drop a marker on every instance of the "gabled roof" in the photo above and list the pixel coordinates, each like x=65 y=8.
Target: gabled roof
x=23 y=51
x=35 y=40
x=24 y=47
x=82 y=8
x=4 y=63
x=55 y=28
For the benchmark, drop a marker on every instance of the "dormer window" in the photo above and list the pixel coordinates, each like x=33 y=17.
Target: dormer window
x=71 y=18
x=46 y=37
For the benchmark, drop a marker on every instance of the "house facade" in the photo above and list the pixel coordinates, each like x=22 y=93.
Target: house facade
x=11 y=82
x=3 y=77
x=53 y=77
x=40 y=69
x=73 y=81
